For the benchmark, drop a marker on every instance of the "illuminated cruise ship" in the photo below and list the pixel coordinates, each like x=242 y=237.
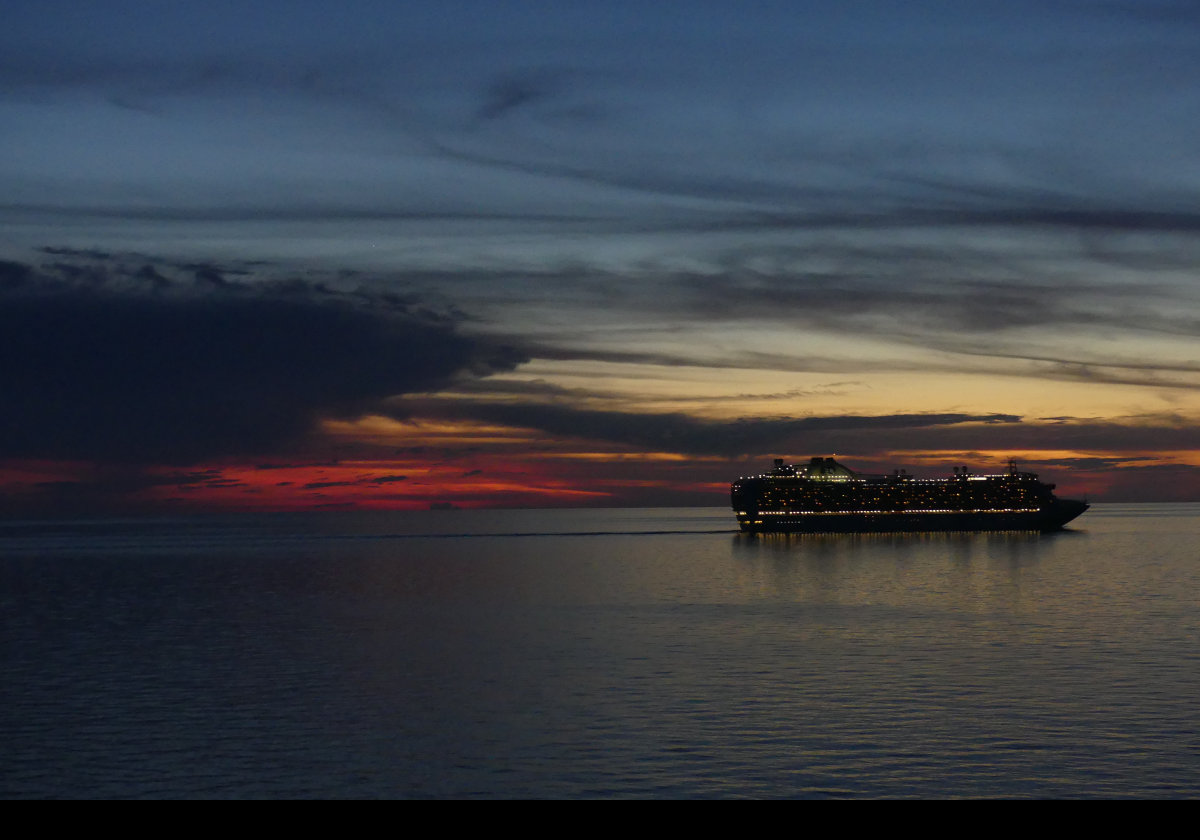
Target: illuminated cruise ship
x=824 y=495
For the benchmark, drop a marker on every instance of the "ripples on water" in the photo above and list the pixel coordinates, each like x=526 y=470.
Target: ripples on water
x=647 y=653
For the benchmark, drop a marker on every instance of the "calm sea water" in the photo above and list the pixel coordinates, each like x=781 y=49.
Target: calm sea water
x=601 y=653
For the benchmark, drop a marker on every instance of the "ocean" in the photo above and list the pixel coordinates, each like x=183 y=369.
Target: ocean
x=650 y=653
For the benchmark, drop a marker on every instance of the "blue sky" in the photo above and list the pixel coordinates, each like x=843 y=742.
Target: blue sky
x=676 y=115
x=720 y=212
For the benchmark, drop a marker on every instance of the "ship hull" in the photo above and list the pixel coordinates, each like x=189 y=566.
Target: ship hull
x=1050 y=518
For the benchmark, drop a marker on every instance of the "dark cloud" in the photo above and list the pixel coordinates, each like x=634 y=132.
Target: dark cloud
x=864 y=436
x=693 y=435
x=100 y=363
x=513 y=92
x=293 y=466
x=129 y=479
x=1112 y=462
x=386 y=479
x=914 y=294
x=362 y=481
x=110 y=488
x=530 y=390
x=14 y=274
x=1134 y=434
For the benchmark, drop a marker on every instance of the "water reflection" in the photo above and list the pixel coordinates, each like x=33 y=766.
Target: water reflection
x=962 y=572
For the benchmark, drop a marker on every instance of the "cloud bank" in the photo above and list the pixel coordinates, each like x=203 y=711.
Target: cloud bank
x=107 y=362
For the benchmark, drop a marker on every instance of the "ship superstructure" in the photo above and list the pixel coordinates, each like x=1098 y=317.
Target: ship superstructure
x=824 y=495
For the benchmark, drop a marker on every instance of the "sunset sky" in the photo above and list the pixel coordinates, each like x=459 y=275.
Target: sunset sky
x=286 y=255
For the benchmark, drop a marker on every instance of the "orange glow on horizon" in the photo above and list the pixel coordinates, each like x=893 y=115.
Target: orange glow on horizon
x=418 y=465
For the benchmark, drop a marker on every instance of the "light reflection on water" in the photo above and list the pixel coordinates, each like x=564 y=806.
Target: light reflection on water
x=597 y=653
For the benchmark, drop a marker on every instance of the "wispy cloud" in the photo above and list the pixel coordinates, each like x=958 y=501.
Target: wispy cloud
x=684 y=433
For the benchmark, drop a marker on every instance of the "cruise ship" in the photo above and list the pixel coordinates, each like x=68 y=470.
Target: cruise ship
x=824 y=495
